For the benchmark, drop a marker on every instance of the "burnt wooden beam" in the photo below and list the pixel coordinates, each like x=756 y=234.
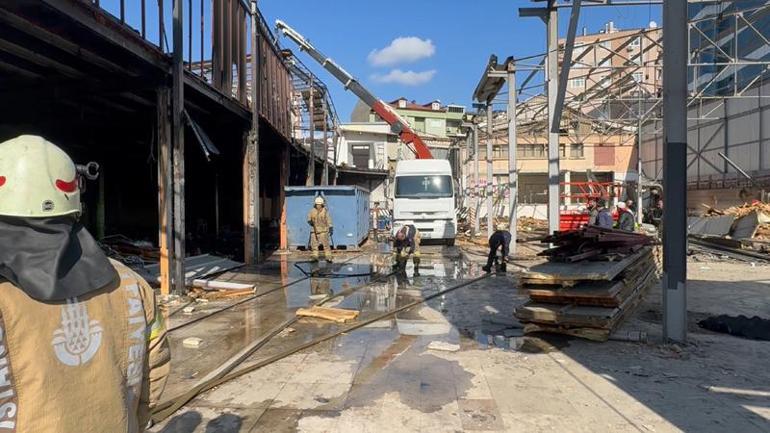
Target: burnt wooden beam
x=111 y=30
x=32 y=29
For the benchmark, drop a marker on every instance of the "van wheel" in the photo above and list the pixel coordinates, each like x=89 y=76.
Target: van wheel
x=450 y=242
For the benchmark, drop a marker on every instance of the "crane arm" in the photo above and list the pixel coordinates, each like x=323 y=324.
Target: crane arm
x=397 y=124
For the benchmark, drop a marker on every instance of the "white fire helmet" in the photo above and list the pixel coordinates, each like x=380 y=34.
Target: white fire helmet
x=37 y=179
x=319 y=200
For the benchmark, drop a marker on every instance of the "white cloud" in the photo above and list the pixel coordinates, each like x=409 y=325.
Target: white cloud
x=403 y=50
x=406 y=78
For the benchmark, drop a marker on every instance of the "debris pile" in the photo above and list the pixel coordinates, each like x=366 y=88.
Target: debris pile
x=739 y=211
x=592 y=242
x=530 y=224
x=741 y=232
x=588 y=299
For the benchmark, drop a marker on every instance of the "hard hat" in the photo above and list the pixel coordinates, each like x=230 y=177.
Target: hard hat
x=37 y=179
x=501 y=226
x=319 y=200
x=621 y=205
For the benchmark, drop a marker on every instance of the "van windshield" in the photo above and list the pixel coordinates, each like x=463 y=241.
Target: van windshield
x=433 y=186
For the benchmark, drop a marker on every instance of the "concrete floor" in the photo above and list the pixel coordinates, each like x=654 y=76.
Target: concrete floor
x=384 y=378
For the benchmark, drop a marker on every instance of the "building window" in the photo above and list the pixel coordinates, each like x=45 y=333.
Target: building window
x=577 y=83
x=456 y=109
x=576 y=151
x=530 y=151
x=402 y=103
x=636 y=42
x=435 y=106
x=638 y=76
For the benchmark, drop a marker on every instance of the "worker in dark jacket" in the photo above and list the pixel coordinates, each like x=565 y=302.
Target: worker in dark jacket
x=500 y=240
x=405 y=243
x=604 y=217
x=625 y=218
x=593 y=212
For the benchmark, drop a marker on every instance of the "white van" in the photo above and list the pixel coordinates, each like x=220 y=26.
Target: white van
x=424 y=196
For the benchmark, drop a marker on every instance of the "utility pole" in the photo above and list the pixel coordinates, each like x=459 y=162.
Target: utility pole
x=513 y=181
x=675 y=170
x=552 y=67
x=490 y=175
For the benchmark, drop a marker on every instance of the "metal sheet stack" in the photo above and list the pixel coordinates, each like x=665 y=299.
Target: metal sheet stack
x=586 y=299
x=592 y=242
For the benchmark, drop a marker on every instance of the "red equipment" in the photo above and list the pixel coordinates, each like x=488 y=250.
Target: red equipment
x=582 y=192
x=397 y=124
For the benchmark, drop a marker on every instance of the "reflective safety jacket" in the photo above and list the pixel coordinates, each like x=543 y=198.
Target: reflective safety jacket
x=91 y=364
x=320 y=220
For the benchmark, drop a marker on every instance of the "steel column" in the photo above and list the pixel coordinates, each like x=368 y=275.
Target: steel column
x=552 y=67
x=675 y=170
x=490 y=174
x=325 y=172
x=177 y=106
x=310 y=180
x=513 y=172
x=477 y=193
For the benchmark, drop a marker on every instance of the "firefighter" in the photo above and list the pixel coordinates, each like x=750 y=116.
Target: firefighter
x=321 y=228
x=405 y=243
x=499 y=241
x=82 y=344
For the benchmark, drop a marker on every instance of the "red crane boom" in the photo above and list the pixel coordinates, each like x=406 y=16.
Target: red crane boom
x=397 y=124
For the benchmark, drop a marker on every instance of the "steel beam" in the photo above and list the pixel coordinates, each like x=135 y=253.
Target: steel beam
x=513 y=181
x=675 y=170
x=566 y=63
x=552 y=67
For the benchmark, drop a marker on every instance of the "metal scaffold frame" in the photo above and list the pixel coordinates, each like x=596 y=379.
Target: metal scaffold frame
x=312 y=96
x=618 y=104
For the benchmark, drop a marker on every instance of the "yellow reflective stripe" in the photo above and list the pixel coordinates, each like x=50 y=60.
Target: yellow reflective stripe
x=157 y=326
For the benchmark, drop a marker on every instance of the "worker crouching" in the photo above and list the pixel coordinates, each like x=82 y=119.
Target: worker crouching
x=406 y=243
x=82 y=344
x=321 y=229
x=499 y=241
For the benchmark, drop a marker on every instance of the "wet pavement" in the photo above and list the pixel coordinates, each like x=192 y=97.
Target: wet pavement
x=384 y=377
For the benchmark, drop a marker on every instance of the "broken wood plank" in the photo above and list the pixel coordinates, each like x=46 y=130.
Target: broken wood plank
x=334 y=314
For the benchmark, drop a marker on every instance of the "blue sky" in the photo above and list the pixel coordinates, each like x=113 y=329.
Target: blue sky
x=463 y=33
x=462 y=36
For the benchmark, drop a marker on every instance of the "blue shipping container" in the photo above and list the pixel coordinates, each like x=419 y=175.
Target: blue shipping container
x=349 y=208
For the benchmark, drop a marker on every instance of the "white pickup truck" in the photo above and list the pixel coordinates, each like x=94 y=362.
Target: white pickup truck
x=425 y=197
